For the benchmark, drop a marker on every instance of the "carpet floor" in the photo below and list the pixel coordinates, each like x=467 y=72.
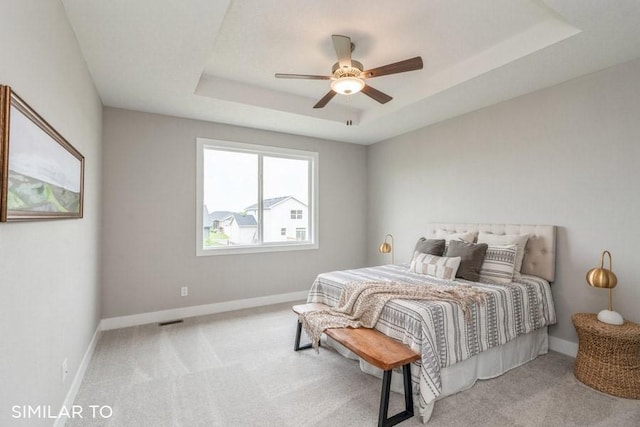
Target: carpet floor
x=239 y=369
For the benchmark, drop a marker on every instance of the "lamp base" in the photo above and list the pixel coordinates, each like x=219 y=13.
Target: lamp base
x=610 y=317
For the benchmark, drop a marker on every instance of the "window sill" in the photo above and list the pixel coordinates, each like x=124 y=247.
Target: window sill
x=241 y=250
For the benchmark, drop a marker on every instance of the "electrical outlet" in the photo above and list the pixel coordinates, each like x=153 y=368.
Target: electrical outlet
x=65 y=370
x=184 y=291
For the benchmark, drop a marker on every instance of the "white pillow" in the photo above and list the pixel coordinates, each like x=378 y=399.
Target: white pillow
x=507 y=239
x=499 y=264
x=450 y=235
x=436 y=266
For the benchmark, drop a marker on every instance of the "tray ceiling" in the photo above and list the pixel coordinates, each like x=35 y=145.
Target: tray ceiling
x=216 y=61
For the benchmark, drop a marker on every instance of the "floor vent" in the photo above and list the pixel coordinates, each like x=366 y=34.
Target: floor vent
x=170 y=322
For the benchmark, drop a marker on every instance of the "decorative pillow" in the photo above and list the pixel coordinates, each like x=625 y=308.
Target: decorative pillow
x=499 y=264
x=430 y=246
x=472 y=255
x=450 y=235
x=436 y=266
x=508 y=239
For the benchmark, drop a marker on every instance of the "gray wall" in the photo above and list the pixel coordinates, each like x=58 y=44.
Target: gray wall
x=150 y=212
x=49 y=270
x=568 y=155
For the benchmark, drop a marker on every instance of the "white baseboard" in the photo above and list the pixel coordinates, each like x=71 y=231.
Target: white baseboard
x=197 y=310
x=563 y=346
x=77 y=379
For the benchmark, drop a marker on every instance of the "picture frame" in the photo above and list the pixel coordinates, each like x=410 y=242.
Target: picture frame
x=41 y=173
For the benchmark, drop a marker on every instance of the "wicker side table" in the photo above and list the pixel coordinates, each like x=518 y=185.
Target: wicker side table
x=608 y=356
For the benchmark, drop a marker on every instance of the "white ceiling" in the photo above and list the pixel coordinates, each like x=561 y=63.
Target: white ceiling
x=215 y=60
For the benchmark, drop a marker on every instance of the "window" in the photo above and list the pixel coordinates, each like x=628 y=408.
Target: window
x=301 y=233
x=248 y=196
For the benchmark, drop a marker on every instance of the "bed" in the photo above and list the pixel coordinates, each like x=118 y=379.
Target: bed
x=506 y=331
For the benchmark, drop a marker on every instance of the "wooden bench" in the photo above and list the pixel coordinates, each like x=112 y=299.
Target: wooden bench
x=304 y=308
x=377 y=349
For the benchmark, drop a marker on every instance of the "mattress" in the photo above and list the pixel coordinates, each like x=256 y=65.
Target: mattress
x=439 y=330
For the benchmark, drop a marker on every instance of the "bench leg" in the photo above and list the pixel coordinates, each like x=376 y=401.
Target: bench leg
x=296 y=345
x=383 y=421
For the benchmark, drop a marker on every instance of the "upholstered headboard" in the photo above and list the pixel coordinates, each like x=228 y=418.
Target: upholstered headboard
x=540 y=252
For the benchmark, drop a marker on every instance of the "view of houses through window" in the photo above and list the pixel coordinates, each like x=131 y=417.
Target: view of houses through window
x=227 y=228
x=233 y=183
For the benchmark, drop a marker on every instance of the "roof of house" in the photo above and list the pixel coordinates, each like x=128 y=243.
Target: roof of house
x=243 y=220
x=269 y=203
x=219 y=215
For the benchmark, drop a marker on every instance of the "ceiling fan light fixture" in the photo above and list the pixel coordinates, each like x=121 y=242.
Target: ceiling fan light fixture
x=348 y=75
x=347 y=85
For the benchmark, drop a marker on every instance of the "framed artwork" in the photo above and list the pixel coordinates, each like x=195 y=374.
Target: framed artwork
x=41 y=174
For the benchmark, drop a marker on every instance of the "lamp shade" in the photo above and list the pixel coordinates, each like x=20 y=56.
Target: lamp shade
x=601 y=277
x=347 y=85
x=386 y=247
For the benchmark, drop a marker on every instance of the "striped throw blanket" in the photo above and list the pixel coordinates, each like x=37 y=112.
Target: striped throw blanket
x=361 y=303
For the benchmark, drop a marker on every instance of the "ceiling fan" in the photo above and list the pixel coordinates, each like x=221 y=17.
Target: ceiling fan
x=348 y=75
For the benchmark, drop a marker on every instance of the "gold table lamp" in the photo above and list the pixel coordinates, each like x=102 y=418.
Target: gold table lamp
x=387 y=247
x=605 y=278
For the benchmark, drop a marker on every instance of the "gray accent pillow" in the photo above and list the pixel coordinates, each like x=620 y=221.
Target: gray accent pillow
x=472 y=255
x=430 y=246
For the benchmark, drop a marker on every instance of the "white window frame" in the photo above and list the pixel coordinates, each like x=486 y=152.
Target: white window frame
x=313 y=221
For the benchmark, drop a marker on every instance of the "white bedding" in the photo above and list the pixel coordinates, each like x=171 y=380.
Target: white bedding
x=463 y=375
x=439 y=331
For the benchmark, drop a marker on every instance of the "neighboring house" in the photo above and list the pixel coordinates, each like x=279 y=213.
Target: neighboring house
x=285 y=218
x=211 y=221
x=216 y=217
x=241 y=229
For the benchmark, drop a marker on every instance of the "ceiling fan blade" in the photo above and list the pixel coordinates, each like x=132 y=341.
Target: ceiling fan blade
x=381 y=97
x=301 y=76
x=397 y=67
x=342 y=44
x=325 y=99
